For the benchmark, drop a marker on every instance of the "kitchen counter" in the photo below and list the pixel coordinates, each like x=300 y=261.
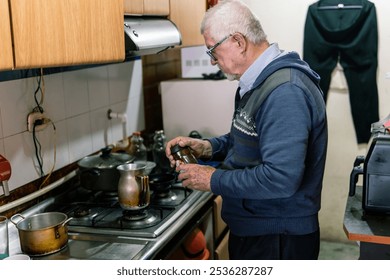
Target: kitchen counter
x=110 y=247
x=372 y=231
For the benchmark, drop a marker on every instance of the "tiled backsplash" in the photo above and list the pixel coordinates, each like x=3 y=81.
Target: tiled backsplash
x=77 y=102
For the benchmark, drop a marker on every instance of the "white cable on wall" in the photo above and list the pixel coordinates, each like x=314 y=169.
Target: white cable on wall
x=38 y=193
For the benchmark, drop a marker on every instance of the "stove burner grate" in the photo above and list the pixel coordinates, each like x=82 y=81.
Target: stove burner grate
x=164 y=198
x=139 y=219
x=137 y=215
x=100 y=212
x=171 y=197
x=117 y=218
x=81 y=211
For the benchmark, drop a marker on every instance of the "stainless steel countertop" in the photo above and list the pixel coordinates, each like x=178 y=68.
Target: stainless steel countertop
x=99 y=246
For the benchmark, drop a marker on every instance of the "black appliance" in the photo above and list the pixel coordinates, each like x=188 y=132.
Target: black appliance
x=375 y=168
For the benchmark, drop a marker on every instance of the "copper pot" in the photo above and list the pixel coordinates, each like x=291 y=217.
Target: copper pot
x=42 y=234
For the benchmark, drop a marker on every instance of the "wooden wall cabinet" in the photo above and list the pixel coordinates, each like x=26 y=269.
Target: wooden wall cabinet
x=50 y=33
x=133 y=7
x=6 y=56
x=188 y=15
x=146 y=7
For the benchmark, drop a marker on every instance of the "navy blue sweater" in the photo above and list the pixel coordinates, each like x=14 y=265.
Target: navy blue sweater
x=273 y=166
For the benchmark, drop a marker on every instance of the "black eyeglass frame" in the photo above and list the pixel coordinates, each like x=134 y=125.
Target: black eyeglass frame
x=212 y=48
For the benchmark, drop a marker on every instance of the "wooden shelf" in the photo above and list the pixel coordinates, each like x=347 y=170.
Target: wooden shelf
x=364 y=227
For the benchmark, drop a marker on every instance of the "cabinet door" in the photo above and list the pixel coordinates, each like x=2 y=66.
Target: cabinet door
x=51 y=33
x=133 y=7
x=6 y=57
x=146 y=7
x=188 y=15
x=156 y=7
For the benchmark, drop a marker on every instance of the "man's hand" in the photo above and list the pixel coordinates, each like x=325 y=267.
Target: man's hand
x=199 y=147
x=195 y=176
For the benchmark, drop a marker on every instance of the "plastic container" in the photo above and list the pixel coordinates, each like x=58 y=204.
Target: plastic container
x=183 y=153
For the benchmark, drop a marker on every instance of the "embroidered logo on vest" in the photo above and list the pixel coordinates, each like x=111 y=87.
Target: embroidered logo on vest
x=244 y=122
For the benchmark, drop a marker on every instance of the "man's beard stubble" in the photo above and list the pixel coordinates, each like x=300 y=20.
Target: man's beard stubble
x=231 y=77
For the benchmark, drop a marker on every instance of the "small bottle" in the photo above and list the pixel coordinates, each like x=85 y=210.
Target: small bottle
x=159 y=156
x=183 y=153
x=137 y=148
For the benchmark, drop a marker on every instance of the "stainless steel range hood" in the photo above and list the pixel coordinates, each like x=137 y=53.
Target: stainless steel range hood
x=149 y=35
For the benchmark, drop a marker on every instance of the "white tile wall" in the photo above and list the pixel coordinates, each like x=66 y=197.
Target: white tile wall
x=54 y=95
x=76 y=92
x=77 y=102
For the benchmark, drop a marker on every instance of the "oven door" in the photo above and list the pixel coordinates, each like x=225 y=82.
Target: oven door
x=195 y=240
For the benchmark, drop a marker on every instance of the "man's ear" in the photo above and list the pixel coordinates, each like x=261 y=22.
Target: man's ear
x=240 y=40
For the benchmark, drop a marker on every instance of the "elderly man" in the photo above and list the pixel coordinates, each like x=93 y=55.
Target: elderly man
x=274 y=156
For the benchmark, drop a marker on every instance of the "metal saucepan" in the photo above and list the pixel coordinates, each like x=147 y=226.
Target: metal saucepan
x=42 y=234
x=99 y=173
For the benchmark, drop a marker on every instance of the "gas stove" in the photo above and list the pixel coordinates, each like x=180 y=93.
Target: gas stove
x=100 y=212
x=101 y=229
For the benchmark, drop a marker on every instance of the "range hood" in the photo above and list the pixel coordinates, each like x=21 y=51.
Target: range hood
x=149 y=35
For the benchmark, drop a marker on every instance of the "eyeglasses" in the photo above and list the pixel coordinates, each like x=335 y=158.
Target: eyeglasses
x=212 y=49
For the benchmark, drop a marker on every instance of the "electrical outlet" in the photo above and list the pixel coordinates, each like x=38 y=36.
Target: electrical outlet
x=35 y=118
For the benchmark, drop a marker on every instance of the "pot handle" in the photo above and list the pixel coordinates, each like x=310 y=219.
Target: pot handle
x=144 y=181
x=14 y=216
x=66 y=221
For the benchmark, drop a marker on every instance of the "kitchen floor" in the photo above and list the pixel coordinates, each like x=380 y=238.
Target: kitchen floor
x=338 y=251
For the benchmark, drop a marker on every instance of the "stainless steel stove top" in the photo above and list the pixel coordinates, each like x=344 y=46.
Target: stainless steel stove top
x=99 y=230
x=101 y=213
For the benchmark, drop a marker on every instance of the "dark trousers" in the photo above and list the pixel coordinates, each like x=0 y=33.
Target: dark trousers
x=350 y=37
x=275 y=247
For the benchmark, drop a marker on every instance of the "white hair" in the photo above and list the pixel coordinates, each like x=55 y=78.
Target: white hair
x=232 y=16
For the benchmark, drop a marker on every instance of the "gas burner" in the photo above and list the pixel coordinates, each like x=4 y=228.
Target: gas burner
x=81 y=211
x=136 y=215
x=171 y=197
x=85 y=214
x=164 y=198
x=139 y=219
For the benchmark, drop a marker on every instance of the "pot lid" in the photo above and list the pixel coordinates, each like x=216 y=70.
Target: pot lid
x=105 y=159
